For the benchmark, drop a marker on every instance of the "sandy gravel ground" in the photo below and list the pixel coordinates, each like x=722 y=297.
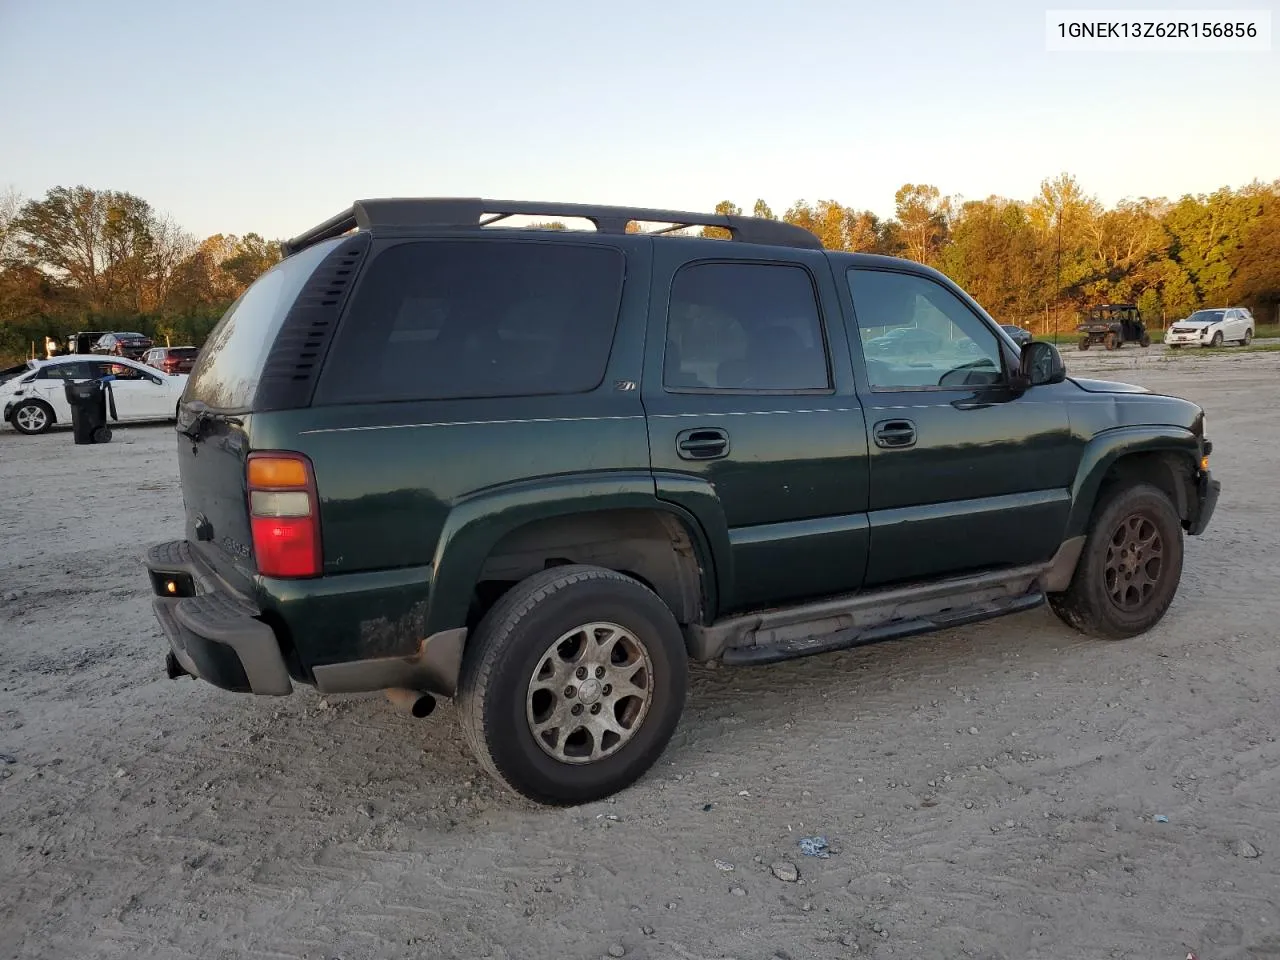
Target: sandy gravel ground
x=990 y=791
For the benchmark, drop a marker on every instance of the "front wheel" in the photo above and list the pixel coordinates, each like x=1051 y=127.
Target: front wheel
x=1217 y=339
x=32 y=417
x=1145 y=341
x=1175 y=346
x=1130 y=566
x=1084 y=343
x=1248 y=337
x=573 y=684
x=1113 y=342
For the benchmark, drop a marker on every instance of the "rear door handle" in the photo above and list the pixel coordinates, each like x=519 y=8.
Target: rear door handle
x=702 y=443
x=893 y=434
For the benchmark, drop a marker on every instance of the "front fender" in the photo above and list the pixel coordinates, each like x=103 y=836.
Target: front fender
x=477 y=523
x=1102 y=452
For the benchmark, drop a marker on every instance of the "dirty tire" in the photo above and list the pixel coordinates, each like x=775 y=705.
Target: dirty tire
x=506 y=650
x=1087 y=604
x=1084 y=343
x=1145 y=341
x=32 y=417
x=1113 y=342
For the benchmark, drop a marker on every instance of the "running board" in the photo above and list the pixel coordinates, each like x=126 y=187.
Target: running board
x=782 y=633
x=893 y=630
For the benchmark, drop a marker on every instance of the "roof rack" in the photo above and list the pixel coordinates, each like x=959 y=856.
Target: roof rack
x=444 y=213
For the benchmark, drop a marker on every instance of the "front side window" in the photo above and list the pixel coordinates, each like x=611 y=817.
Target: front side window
x=124 y=371
x=916 y=334
x=745 y=327
x=444 y=320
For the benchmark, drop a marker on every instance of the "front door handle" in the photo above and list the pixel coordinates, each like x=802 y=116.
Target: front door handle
x=894 y=434
x=702 y=443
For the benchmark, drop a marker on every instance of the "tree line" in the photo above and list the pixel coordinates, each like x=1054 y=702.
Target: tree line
x=81 y=259
x=1042 y=262
x=85 y=259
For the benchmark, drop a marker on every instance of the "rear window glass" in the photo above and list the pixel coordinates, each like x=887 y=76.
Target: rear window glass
x=226 y=375
x=442 y=320
x=182 y=353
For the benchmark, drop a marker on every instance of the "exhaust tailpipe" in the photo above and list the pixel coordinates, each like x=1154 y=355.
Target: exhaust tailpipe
x=413 y=702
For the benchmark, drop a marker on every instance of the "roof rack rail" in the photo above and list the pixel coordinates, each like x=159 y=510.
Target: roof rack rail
x=444 y=213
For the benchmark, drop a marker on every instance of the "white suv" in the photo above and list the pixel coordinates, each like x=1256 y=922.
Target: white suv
x=1212 y=328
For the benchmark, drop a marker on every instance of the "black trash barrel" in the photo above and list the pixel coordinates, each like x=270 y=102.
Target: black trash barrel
x=88 y=400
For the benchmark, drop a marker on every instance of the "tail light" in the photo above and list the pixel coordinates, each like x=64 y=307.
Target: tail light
x=284 y=514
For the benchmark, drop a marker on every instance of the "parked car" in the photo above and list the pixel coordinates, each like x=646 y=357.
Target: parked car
x=1212 y=328
x=132 y=345
x=171 y=359
x=1113 y=325
x=1020 y=335
x=538 y=472
x=83 y=342
x=34 y=401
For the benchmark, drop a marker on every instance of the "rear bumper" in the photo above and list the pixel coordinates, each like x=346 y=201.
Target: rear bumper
x=1207 y=490
x=214 y=632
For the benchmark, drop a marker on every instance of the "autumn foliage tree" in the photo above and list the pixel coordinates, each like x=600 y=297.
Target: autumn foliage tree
x=80 y=258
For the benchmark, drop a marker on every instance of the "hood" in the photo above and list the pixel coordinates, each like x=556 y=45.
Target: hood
x=1107 y=386
x=1195 y=323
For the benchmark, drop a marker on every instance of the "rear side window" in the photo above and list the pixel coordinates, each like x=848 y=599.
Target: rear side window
x=751 y=327
x=230 y=365
x=437 y=320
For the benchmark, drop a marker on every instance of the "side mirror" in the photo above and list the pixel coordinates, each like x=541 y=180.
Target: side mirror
x=1041 y=364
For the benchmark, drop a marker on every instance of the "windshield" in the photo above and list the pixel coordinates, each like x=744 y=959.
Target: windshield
x=9 y=373
x=1206 y=316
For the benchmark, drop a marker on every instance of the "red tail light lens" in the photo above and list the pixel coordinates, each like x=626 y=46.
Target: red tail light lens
x=284 y=515
x=285 y=547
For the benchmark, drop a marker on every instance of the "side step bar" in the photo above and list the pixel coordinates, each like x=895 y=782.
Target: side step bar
x=893 y=630
x=783 y=633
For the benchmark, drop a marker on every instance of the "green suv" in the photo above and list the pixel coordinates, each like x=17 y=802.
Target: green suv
x=538 y=471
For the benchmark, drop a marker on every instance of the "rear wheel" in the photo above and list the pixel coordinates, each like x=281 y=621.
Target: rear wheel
x=32 y=417
x=1145 y=341
x=1084 y=343
x=1130 y=566
x=573 y=684
x=101 y=435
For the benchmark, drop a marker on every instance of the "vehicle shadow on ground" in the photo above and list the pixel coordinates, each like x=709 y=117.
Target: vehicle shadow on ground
x=730 y=711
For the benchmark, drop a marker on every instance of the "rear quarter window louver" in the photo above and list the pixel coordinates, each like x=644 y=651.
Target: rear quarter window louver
x=293 y=363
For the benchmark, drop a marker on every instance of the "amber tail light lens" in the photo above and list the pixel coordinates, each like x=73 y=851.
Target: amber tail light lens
x=284 y=515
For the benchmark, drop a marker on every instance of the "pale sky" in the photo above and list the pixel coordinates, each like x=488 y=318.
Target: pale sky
x=272 y=115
